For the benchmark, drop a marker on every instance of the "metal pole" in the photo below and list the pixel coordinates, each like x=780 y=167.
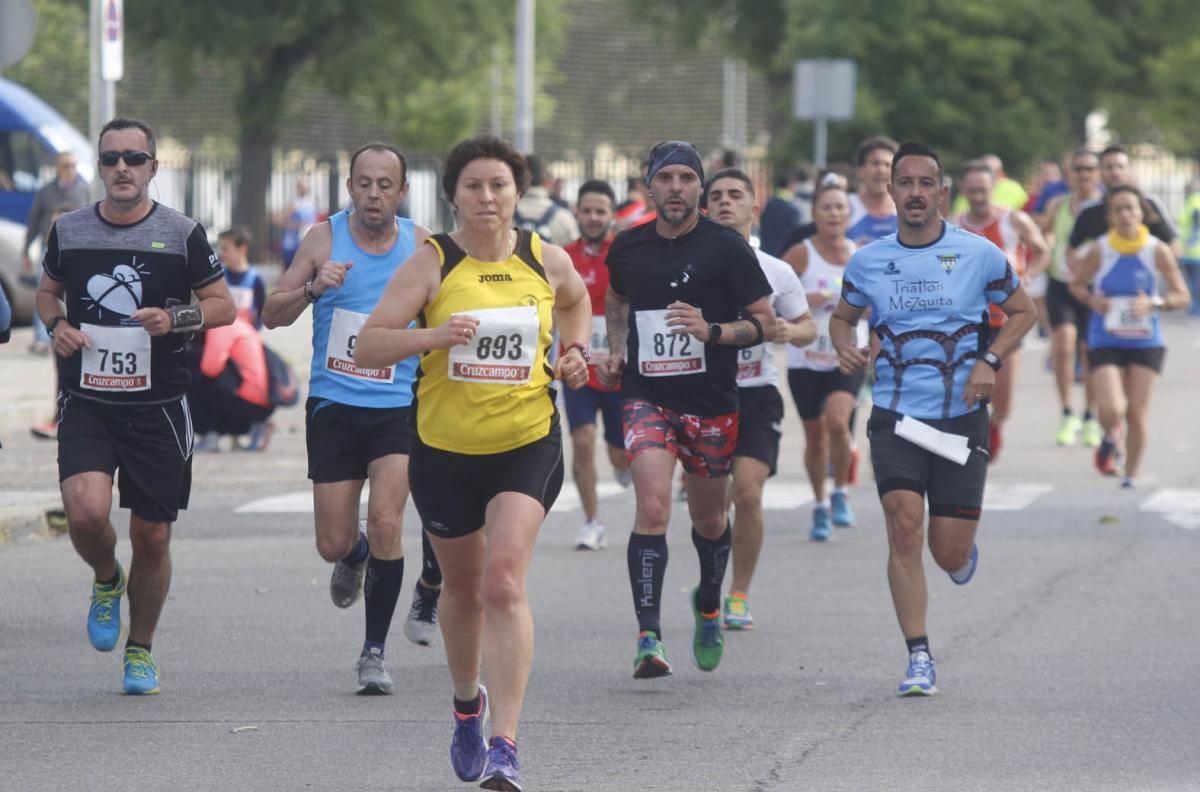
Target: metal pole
x=820 y=140
x=95 y=84
x=102 y=94
x=497 y=122
x=524 y=44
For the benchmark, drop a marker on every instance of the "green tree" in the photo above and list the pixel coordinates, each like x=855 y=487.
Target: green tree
x=56 y=66
x=421 y=67
x=1016 y=77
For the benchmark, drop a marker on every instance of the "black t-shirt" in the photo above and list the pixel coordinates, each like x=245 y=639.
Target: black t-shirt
x=108 y=272
x=712 y=268
x=1092 y=222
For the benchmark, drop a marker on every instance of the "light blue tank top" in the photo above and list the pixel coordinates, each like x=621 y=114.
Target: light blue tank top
x=338 y=314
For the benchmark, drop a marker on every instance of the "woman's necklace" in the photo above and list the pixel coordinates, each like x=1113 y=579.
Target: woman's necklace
x=512 y=245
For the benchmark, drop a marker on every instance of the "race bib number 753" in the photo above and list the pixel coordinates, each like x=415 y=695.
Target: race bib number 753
x=118 y=360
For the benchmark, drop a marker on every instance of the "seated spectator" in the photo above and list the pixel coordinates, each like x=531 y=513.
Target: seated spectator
x=245 y=283
x=230 y=387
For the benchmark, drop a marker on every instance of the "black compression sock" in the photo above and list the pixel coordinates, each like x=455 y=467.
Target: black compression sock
x=381 y=590
x=918 y=644
x=647 y=559
x=136 y=645
x=431 y=572
x=714 y=557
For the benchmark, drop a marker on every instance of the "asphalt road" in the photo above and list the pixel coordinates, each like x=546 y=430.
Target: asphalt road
x=1069 y=663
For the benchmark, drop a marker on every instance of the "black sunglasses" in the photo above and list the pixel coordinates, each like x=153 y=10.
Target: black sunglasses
x=132 y=158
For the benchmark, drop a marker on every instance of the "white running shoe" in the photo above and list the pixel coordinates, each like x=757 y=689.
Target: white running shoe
x=591 y=536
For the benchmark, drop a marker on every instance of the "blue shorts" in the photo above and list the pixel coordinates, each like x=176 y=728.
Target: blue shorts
x=583 y=404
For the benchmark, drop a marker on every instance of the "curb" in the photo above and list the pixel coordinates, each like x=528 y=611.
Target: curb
x=36 y=518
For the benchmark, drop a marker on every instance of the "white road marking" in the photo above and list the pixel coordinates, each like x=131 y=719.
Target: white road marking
x=1179 y=506
x=568 y=499
x=1005 y=496
x=291 y=503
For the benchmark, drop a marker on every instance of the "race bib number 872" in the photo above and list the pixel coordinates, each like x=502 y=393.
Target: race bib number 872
x=662 y=353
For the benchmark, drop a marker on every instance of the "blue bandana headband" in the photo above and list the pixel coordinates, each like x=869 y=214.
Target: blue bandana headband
x=674 y=152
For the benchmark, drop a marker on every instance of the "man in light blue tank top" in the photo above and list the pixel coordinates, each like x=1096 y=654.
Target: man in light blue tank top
x=357 y=418
x=928 y=288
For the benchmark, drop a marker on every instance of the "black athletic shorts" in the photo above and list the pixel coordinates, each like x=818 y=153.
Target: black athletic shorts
x=760 y=424
x=810 y=388
x=1124 y=357
x=1062 y=308
x=150 y=445
x=343 y=440
x=952 y=490
x=451 y=491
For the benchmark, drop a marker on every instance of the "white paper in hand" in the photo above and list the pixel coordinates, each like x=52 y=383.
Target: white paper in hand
x=951 y=446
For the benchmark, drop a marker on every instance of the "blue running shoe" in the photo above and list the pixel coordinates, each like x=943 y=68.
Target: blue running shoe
x=468 y=748
x=104 y=613
x=822 y=530
x=963 y=576
x=503 y=770
x=843 y=515
x=920 y=678
x=141 y=672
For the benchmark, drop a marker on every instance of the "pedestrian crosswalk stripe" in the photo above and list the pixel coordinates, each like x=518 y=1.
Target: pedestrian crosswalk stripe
x=1178 y=506
x=568 y=499
x=1011 y=496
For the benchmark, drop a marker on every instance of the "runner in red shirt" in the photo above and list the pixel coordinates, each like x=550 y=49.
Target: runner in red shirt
x=594 y=211
x=1018 y=236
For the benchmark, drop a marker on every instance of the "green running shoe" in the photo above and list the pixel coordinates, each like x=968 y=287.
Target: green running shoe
x=708 y=644
x=1092 y=433
x=1068 y=430
x=141 y=672
x=104 y=613
x=736 y=615
x=651 y=661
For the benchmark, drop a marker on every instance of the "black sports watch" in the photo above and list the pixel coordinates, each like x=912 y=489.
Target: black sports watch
x=714 y=333
x=992 y=359
x=53 y=323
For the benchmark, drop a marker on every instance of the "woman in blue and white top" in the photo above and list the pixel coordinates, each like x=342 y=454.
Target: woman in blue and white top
x=1128 y=271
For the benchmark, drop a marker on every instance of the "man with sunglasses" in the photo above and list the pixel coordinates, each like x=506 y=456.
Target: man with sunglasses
x=117 y=300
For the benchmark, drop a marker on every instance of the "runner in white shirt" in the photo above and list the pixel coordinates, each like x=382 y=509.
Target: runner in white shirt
x=731 y=202
x=824 y=396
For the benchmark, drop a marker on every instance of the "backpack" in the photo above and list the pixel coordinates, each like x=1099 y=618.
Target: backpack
x=542 y=226
x=282 y=388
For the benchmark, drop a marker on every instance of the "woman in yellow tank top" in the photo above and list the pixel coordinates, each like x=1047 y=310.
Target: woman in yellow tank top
x=487 y=450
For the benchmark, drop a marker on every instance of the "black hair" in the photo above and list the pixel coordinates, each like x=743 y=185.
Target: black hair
x=1150 y=215
x=730 y=173
x=912 y=149
x=484 y=147
x=238 y=234
x=381 y=147
x=131 y=123
x=1114 y=150
x=874 y=144
x=597 y=186
x=537 y=169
